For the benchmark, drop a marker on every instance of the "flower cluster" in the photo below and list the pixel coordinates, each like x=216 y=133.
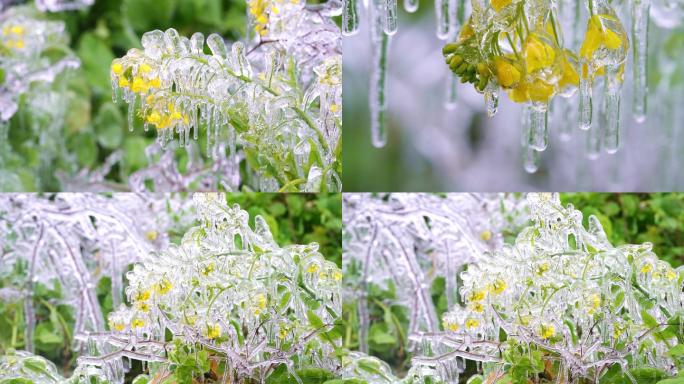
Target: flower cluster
x=232 y=289
x=565 y=289
x=263 y=111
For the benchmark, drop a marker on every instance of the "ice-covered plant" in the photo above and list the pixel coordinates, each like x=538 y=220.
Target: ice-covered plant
x=534 y=50
x=230 y=297
x=565 y=304
x=404 y=242
x=274 y=103
x=68 y=243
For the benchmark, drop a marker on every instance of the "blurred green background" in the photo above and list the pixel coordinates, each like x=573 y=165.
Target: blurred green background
x=95 y=126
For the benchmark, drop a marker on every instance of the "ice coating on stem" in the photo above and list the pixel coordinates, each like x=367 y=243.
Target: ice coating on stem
x=558 y=280
x=229 y=288
x=350 y=17
x=62 y=5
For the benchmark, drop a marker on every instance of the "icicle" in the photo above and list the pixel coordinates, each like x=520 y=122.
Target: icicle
x=350 y=17
x=377 y=97
x=531 y=160
x=451 y=91
x=538 y=136
x=585 y=103
x=640 y=17
x=492 y=98
x=594 y=142
x=390 y=17
x=410 y=6
x=131 y=107
x=612 y=130
x=442 y=14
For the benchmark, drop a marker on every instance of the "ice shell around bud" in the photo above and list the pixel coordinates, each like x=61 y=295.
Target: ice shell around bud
x=172 y=41
x=197 y=43
x=153 y=43
x=217 y=46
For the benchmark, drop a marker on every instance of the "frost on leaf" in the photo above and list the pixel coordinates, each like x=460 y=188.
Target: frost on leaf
x=230 y=289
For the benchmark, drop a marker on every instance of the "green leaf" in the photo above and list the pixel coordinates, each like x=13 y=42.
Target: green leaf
x=109 y=126
x=96 y=58
x=649 y=320
x=315 y=321
x=677 y=351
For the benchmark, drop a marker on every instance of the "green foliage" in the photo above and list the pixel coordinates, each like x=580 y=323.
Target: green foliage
x=298 y=218
x=627 y=218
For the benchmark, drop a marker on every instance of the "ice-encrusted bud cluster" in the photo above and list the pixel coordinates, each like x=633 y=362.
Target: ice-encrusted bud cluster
x=276 y=105
x=567 y=290
x=231 y=289
x=408 y=240
x=75 y=240
x=33 y=52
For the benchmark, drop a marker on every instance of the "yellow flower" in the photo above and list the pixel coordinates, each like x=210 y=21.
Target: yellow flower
x=450 y=326
x=506 y=72
x=477 y=307
x=153 y=118
x=646 y=268
x=208 y=269
x=15 y=29
x=282 y=333
x=337 y=276
x=538 y=54
x=542 y=268
x=19 y=44
x=139 y=85
x=163 y=286
x=260 y=300
x=312 y=268
x=499 y=4
x=486 y=235
x=476 y=296
x=143 y=306
x=519 y=93
x=137 y=323
x=671 y=274
x=597 y=35
x=334 y=108
x=117 y=325
x=117 y=68
x=569 y=76
x=142 y=296
x=497 y=287
x=547 y=331
x=594 y=303
x=155 y=82
x=540 y=91
x=213 y=331
x=144 y=68
x=123 y=82
x=472 y=323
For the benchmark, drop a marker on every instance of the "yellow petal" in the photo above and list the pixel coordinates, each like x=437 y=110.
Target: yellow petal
x=499 y=4
x=538 y=54
x=540 y=91
x=506 y=73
